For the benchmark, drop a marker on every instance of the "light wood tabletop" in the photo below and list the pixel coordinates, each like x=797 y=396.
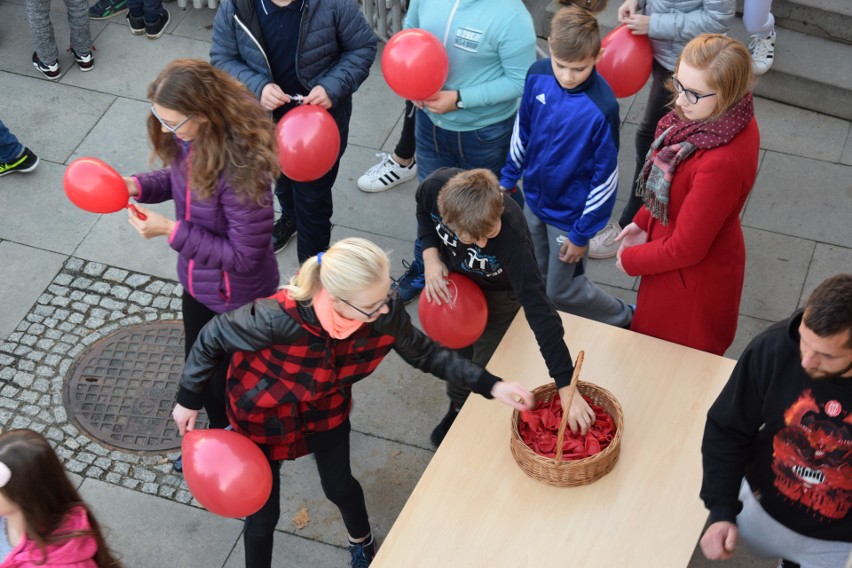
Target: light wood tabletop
x=474 y=507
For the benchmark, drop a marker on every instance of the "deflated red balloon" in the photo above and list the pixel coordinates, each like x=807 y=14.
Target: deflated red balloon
x=539 y=429
x=626 y=61
x=93 y=185
x=415 y=64
x=226 y=472
x=308 y=143
x=461 y=321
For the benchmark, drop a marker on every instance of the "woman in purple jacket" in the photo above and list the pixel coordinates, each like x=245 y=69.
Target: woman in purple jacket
x=218 y=147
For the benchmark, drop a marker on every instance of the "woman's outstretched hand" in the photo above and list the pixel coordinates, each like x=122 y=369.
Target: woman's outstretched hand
x=513 y=394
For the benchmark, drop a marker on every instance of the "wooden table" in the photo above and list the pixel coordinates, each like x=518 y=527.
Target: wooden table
x=475 y=507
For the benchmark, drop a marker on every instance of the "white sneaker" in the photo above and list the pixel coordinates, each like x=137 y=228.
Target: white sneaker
x=603 y=244
x=386 y=174
x=762 y=50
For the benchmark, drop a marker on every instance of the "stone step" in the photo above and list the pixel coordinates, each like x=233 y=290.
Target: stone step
x=830 y=19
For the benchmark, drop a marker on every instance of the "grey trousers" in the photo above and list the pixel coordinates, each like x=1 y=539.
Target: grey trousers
x=764 y=537
x=502 y=307
x=41 y=28
x=567 y=285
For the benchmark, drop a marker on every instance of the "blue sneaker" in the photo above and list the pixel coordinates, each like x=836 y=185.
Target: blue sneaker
x=362 y=553
x=412 y=282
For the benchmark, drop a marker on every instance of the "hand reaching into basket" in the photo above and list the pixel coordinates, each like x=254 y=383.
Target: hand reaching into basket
x=580 y=414
x=513 y=394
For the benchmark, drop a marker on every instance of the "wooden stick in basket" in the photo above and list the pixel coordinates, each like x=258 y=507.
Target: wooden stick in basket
x=572 y=389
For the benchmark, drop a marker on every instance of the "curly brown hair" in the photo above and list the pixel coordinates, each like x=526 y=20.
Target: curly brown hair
x=236 y=137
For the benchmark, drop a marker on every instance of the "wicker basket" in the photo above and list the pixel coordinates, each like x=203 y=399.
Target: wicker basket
x=554 y=471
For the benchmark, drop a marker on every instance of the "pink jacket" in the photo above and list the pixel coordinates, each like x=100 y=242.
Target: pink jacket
x=74 y=553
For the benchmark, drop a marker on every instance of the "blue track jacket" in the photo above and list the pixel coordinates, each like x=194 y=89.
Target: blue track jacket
x=565 y=146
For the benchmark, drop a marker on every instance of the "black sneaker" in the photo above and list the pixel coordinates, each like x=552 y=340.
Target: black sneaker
x=362 y=553
x=412 y=282
x=52 y=71
x=155 y=30
x=137 y=25
x=282 y=232
x=26 y=162
x=444 y=426
x=106 y=9
x=85 y=61
x=177 y=465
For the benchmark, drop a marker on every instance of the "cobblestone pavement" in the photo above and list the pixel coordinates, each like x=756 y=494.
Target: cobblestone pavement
x=85 y=302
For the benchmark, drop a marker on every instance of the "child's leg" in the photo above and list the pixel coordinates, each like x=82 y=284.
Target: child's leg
x=78 y=21
x=570 y=290
x=260 y=527
x=135 y=8
x=153 y=9
x=405 y=146
x=41 y=30
x=10 y=147
x=757 y=17
x=342 y=489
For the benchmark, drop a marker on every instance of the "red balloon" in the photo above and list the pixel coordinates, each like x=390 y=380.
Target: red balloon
x=308 y=143
x=460 y=322
x=226 y=472
x=626 y=61
x=92 y=185
x=415 y=64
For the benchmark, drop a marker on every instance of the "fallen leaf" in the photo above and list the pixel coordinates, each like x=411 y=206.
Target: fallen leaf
x=302 y=518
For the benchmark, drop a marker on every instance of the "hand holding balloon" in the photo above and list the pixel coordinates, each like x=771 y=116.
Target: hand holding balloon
x=184 y=418
x=441 y=102
x=415 y=64
x=319 y=97
x=148 y=223
x=92 y=185
x=435 y=275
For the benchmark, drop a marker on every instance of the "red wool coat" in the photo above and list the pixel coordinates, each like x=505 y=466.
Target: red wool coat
x=693 y=268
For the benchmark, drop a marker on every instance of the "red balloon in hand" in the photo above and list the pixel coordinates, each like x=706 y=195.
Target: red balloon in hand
x=626 y=61
x=93 y=185
x=226 y=472
x=415 y=64
x=459 y=322
x=308 y=143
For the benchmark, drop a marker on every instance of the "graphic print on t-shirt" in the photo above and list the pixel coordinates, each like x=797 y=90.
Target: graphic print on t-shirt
x=468 y=39
x=472 y=259
x=811 y=456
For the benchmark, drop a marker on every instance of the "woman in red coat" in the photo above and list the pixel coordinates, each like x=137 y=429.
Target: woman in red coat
x=686 y=242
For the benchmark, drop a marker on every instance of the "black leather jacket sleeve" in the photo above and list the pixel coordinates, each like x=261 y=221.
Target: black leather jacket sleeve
x=428 y=356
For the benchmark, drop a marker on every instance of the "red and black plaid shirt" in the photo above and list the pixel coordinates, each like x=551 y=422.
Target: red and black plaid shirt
x=280 y=395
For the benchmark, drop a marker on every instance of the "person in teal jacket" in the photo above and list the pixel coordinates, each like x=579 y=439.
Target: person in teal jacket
x=468 y=123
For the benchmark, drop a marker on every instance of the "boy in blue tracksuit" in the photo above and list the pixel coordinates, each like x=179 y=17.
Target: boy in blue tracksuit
x=565 y=146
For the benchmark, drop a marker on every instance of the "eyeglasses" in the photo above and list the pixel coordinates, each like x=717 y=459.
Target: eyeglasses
x=391 y=296
x=690 y=95
x=166 y=125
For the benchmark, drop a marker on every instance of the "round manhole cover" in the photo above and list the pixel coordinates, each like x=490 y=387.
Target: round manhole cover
x=122 y=390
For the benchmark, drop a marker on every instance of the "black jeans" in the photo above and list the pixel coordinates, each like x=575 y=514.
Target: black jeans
x=659 y=104
x=339 y=486
x=195 y=316
x=405 y=146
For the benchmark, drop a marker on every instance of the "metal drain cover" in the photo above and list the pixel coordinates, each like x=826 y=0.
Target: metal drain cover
x=122 y=390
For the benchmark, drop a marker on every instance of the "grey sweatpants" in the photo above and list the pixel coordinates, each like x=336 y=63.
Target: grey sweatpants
x=764 y=537
x=41 y=28
x=567 y=285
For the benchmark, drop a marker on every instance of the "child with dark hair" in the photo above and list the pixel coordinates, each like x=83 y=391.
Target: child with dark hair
x=43 y=519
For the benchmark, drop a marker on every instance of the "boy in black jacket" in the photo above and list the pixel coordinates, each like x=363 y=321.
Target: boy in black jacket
x=778 y=440
x=468 y=225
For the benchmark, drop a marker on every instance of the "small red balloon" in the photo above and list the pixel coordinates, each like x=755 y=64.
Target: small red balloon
x=308 y=143
x=626 y=61
x=415 y=64
x=226 y=472
x=460 y=322
x=93 y=185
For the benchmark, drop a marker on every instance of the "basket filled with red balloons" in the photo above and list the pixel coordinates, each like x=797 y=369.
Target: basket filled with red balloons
x=459 y=322
x=226 y=472
x=546 y=449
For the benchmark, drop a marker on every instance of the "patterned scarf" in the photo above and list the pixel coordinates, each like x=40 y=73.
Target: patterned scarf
x=677 y=139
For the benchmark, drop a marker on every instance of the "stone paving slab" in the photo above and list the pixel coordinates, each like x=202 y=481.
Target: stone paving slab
x=375 y=111
x=120 y=137
x=63 y=117
x=827 y=260
x=782 y=129
x=846 y=157
x=296 y=552
x=149 y=531
x=802 y=197
x=195 y=23
x=26 y=271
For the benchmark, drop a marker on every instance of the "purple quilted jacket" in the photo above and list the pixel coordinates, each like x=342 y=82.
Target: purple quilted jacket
x=224 y=244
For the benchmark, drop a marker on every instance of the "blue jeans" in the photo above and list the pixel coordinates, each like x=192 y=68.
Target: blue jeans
x=10 y=148
x=150 y=9
x=439 y=148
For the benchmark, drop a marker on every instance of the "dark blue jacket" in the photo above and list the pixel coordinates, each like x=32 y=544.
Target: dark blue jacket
x=336 y=47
